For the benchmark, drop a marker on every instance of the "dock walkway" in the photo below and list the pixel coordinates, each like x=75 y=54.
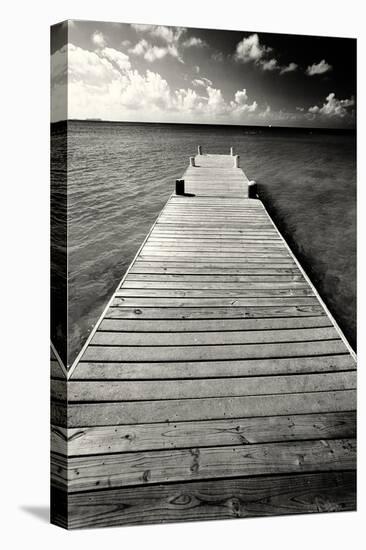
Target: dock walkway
x=216 y=384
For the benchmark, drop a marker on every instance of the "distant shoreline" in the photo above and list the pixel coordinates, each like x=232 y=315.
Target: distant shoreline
x=245 y=128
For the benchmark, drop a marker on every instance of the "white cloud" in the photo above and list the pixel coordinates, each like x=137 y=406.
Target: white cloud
x=241 y=96
x=269 y=65
x=290 y=68
x=319 y=68
x=240 y=104
x=300 y=109
x=146 y=91
x=250 y=49
x=103 y=84
x=126 y=43
x=152 y=53
x=333 y=107
x=169 y=35
x=91 y=68
x=187 y=100
x=120 y=59
x=194 y=41
x=202 y=82
x=98 y=39
x=266 y=112
x=166 y=42
x=140 y=27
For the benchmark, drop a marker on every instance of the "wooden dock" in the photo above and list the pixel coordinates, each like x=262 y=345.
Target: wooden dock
x=215 y=384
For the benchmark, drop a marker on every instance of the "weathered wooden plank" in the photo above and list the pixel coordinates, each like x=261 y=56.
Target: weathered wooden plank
x=217 y=279
x=213 y=500
x=197 y=269
x=242 y=249
x=173 y=410
x=213 y=352
x=166 y=255
x=213 y=293
x=109 y=390
x=207 y=325
x=202 y=302
x=212 y=369
x=212 y=312
x=179 y=284
x=213 y=263
x=56 y=370
x=238 y=431
x=229 y=234
x=107 y=471
x=115 y=338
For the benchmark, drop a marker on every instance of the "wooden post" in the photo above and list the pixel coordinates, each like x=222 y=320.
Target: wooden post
x=179 y=187
x=252 y=189
x=231 y=151
x=191 y=161
x=236 y=161
x=200 y=150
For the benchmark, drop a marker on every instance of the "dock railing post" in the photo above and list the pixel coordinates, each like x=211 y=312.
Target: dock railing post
x=191 y=161
x=200 y=150
x=179 y=187
x=236 y=161
x=232 y=151
x=252 y=189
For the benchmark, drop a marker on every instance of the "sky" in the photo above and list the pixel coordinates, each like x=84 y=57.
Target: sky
x=155 y=73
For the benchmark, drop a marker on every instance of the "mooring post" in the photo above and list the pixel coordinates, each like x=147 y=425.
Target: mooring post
x=200 y=150
x=191 y=161
x=179 y=187
x=231 y=151
x=252 y=189
x=236 y=161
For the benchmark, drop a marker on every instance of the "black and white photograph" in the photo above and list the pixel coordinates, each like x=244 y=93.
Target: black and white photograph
x=203 y=274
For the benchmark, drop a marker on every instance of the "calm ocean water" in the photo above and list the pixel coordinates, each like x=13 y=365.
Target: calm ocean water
x=120 y=176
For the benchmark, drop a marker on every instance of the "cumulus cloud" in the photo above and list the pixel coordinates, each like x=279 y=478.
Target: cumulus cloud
x=318 y=68
x=202 y=82
x=290 y=68
x=269 y=65
x=240 y=104
x=333 y=107
x=266 y=112
x=98 y=39
x=194 y=41
x=166 y=42
x=103 y=84
x=152 y=53
x=139 y=27
x=118 y=58
x=250 y=49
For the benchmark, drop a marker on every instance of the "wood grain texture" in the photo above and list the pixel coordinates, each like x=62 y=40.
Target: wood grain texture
x=238 y=431
x=202 y=338
x=139 y=468
x=215 y=385
x=173 y=410
x=213 y=352
x=139 y=390
x=212 y=500
x=212 y=325
x=211 y=369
